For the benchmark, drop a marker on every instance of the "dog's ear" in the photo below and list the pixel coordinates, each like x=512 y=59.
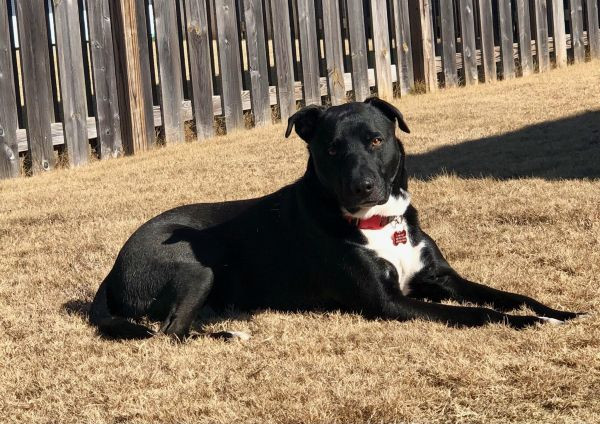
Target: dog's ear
x=305 y=121
x=390 y=111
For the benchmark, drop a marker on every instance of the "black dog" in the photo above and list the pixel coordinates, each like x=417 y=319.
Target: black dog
x=343 y=237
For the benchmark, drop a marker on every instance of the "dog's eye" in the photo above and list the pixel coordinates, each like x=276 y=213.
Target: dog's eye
x=332 y=150
x=376 y=142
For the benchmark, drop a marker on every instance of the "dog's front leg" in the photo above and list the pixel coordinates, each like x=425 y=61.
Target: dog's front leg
x=451 y=286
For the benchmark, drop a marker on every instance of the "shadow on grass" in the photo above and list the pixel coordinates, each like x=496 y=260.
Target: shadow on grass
x=563 y=149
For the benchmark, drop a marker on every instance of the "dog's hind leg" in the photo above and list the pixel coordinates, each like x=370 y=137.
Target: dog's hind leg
x=191 y=284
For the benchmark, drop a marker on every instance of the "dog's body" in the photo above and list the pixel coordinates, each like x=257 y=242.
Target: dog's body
x=343 y=237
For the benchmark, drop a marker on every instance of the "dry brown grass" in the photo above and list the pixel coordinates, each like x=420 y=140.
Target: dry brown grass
x=534 y=228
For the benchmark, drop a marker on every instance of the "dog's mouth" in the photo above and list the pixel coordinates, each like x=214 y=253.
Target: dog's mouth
x=355 y=208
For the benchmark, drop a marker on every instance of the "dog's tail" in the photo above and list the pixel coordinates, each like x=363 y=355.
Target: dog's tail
x=112 y=327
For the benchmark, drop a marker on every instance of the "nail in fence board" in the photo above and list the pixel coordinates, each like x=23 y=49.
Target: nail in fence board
x=9 y=148
x=487 y=40
x=448 y=44
x=506 y=39
x=560 y=39
x=72 y=82
x=593 y=30
x=334 y=52
x=467 y=30
x=134 y=81
x=404 y=69
x=198 y=42
x=577 y=31
x=108 y=121
x=38 y=104
x=257 y=62
x=169 y=70
x=381 y=45
x=423 y=48
x=229 y=66
x=309 y=52
x=524 y=26
x=283 y=58
x=541 y=35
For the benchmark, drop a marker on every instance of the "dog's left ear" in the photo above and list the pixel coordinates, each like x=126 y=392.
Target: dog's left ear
x=390 y=111
x=305 y=121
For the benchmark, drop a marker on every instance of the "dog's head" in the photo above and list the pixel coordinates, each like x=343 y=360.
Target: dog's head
x=354 y=150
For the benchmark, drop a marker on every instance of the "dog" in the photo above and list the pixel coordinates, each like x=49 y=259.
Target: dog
x=343 y=237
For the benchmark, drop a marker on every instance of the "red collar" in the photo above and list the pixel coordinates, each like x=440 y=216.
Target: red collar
x=376 y=222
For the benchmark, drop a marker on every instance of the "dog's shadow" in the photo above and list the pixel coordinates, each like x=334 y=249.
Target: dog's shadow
x=566 y=148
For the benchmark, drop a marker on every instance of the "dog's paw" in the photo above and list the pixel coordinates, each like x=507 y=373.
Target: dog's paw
x=231 y=335
x=552 y=321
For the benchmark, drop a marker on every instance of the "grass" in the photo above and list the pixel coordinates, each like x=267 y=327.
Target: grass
x=507 y=179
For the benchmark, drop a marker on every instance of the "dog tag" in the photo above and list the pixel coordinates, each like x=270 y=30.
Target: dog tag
x=399 y=237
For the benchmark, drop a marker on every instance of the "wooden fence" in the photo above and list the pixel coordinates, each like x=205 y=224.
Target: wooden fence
x=101 y=76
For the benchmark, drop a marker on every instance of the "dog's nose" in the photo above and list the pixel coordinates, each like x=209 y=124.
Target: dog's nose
x=363 y=187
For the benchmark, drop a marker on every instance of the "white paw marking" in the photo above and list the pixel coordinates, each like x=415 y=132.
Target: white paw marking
x=552 y=321
x=240 y=335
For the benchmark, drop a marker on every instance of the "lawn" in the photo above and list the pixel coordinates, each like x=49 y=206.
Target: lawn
x=506 y=177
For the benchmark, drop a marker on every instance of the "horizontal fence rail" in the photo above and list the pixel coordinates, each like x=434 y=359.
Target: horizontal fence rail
x=108 y=77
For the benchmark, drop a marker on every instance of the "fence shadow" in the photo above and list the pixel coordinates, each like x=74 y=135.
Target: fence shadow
x=563 y=149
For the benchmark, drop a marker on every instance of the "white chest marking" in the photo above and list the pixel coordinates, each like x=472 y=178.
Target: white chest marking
x=405 y=257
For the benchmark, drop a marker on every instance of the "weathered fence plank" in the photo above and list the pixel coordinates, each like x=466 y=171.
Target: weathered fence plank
x=448 y=44
x=559 y=38
x=104 y=76
x=198 y=39
x=229 y=66
x=467 y=29
x=358 y=50
x=334 y=52
x=423 y=47
x=381 y=46
x=169 y=70
x=524 y=28
x=309 y=51
x=282 y=46
x=541 y=35
x=134 y=83
x=9 y=148
x=487 y=39
x=577 y=41
x=406 y=77
x=72 y=80
x=38 y=104
x=506 y=39
x=257 y=62
x=593 y=30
